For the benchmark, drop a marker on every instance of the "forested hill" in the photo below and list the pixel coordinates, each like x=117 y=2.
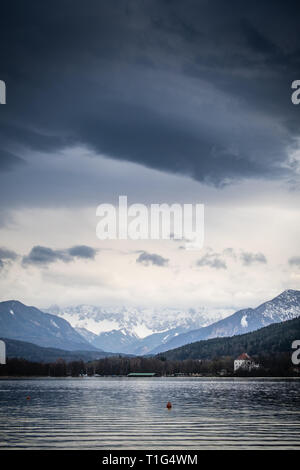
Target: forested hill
x=35 y=353
x=271 y=339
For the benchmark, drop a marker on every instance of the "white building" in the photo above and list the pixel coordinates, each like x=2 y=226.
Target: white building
x=245 y=362
x=2 y=352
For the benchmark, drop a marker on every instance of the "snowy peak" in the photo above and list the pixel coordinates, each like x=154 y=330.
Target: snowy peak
x=134 y=330
x=138 y=321
x=285 y=306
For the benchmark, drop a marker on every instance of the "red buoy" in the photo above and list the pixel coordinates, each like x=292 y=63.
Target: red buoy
x=169 y=405
x=28 y=398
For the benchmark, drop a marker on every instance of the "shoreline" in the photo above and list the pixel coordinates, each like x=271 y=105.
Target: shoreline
x=36 y=377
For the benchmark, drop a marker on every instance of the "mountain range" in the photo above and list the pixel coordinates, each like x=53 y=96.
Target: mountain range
x=132 y=330
x=268 y=341
x=135 y=331
x=24 y=323
x=285 y=306
x=144 y=331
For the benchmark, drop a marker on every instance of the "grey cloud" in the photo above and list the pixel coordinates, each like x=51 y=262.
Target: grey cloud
x=250 y=258
x=217 y=261
x=82 y=251
x=7 y=254
x=41 y=255
x=229 y=252
x=6 y=257
x=151 y=258
x=213 y=260
x=294 y=261
x=169 y=85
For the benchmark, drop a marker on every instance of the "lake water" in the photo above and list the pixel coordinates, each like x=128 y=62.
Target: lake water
x=129 y=413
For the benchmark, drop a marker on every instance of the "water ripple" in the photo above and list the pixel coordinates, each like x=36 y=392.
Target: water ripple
x=125 y=413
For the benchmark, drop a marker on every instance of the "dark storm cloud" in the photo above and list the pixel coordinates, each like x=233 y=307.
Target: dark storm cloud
x=151 y=258
x=8 y=161
x=250 y=258
x=198 y=88
x=42 y=255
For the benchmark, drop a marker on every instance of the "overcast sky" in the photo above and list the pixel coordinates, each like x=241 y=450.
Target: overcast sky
x=162 y=101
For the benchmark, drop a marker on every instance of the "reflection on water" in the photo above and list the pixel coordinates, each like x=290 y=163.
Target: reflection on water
x=116 y=413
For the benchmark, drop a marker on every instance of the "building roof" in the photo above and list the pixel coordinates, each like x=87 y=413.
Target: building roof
x=244 y=357
x=141 y=374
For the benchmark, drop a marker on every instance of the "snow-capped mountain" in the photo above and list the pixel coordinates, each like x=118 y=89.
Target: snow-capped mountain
x=24 y=323
x=136 y=330
x=132 y=330
x=123 y=341
x=87 y=335
x=285 y=306
x=142 y=331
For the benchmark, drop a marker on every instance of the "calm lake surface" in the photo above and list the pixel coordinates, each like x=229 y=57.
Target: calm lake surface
x=129 y=413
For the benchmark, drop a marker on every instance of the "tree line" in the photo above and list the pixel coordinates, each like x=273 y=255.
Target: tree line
x=271 y=365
